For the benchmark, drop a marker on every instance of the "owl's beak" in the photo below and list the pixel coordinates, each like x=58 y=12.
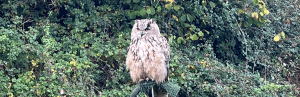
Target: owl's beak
x=143 y=33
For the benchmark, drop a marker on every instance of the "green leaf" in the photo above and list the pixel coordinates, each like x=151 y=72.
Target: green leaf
x=282 y=34
x=255 y=2
x=108 y=8
x=204 y=3
x=168 y=6
x=14 y=80
x=177 y=7
x=152 y=10
x=200 y=33
x=158 y=8
x=171 y=39
x=190 y=18
x=186 y=25
x=192 y=27
x=143 y=12
x=136 y=1
x=132 y=15
x=206 y=31
x=182 y=18
x=128 y=1
x=179 y=40
x=53 y=76
x=212 y=4
x=194 y=37
x=148 y=11
x=173 y=64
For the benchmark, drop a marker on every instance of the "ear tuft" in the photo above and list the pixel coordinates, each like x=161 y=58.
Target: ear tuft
x=153 y=20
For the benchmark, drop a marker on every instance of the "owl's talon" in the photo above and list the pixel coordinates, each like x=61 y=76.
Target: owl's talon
x=141 y=80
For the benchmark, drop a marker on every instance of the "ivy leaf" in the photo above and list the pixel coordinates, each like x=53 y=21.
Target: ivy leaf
x=171 y=39
x=132 y=15
x=255 y=15
x=175 y=17
x=136 y=1
x=206 y=31
x=53 y=76
x=192 y=27
x=148 y=11
x=264 y=11
x=190 y=18
x=276 y=38
x=168 y=6
x=143 y=12
x=282 y=34
x=173 y=65
x=194 y=37
x=212 y=4
x=186 y=25
x=108 y=8
x=128 y=1
x=241 y=11
x=177 y=7
x=158 y=8
x=179 y=40
x=204 y=3
x=152 y=10
x=261 y=14
x=255 y=2
x=182 y=18
x=200 y=33
x=170 y=1
x=116 y=51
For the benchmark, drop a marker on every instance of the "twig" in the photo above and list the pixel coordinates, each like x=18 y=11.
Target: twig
x=243 y=35
x=26 y=22
x=245 y=45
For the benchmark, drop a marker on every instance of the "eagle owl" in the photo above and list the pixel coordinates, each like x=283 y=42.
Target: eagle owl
x=149 y=53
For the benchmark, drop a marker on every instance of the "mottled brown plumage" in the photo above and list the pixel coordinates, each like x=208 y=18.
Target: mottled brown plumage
x=149 y=53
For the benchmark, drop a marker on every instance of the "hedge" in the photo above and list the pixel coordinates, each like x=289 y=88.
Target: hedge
x=219 y=47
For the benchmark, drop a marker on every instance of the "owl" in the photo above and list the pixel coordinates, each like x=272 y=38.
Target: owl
x=149 y=53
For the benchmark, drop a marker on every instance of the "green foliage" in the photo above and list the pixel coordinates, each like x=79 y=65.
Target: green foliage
x=219 y=47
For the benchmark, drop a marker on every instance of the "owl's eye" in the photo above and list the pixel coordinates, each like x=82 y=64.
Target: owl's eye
x=148 y=26
x=147 y=29
x=137 y=26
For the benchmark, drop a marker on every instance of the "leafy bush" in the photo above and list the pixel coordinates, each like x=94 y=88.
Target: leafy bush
x=219 y=47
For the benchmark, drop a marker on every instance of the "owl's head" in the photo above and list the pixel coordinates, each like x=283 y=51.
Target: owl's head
x=143 y=27
x=142 y=24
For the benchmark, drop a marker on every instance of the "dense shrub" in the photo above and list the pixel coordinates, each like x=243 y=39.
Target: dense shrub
x=219 y=47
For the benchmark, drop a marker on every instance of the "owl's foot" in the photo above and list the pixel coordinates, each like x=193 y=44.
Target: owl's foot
x=147 y=79
x=141 y=80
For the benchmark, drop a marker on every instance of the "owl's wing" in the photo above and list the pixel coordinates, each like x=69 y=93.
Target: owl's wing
x=155 y=56
x=133 y=62
x=166 y=50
